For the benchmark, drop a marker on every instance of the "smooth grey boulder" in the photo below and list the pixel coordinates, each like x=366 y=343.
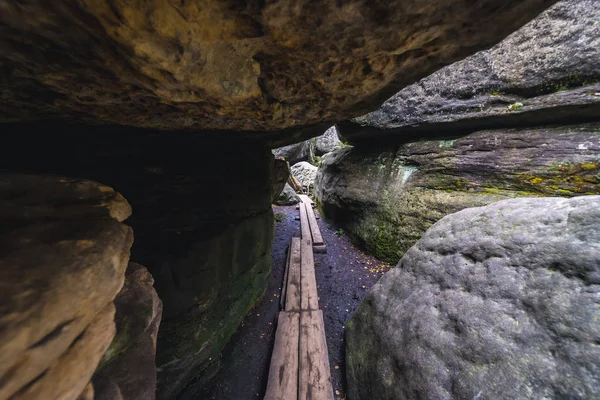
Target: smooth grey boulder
x=287 y=196
x=546 y=72
x=495 y=302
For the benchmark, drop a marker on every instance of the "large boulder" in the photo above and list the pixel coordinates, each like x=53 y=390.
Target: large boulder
x=63 y=258
x=327 y=142
x=230 y=65
x=546 y=72
x=203 y=226
x=127 y=370
x=496 y=302
x=297 y=152
x=386 y=198
x=287 y=196
x=305 y=173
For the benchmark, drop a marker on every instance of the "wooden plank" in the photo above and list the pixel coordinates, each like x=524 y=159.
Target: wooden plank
x=315 y=232
x=321 y=249
x=314 y=375
x=304 y=226
x=306 y=200
x=309 y=299
x=283 y=372
x=292 y=301
x=284 y=285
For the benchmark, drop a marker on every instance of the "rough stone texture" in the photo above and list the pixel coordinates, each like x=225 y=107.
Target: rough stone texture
x=62 y=244
x=202 y=219
x=129 y=363
x=305 y=173
x=327 y=142
x=550 y=66
x=281 y=173
x=496 y=302
x=231 y=65
x=387 y=198
x=70 y=374
x=287 y=197
x=297 y=152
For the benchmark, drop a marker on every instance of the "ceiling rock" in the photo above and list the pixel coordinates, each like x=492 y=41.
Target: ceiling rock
x=230 y=64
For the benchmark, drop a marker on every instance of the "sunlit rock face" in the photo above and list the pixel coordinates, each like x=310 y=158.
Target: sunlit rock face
x=232 y=65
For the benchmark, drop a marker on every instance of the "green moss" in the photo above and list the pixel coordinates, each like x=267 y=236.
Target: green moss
x=515 y=106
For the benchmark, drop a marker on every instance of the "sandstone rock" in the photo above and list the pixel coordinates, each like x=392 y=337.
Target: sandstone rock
x=203 y=226
x=287 y=197
x=226 y=65
x=63 y=259
x=128 y=367
x=327 y=142
x=493 y=302
x=280 y=176
x=70 y=374
x=550 y=67
x=295 y=153
x=387 y=198
x=305 y=173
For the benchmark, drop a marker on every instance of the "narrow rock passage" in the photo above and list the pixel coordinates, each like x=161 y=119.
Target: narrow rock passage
x=344 y=277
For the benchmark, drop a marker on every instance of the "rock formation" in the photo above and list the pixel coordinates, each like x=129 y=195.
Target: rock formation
x=203 y=226
x=327 y=142
x=287 y=196
x=546 y=72
x=305 y=173
x=64 y=255
x=426 y=153
x=495 y=302
x=139 y=95
x=227 y=65
x=387 y=198
x=297 y=152
x=309 y=150
x=128 y=370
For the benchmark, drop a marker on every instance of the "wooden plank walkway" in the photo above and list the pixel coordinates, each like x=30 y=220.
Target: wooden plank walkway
x=300 y=362
x=307 y=214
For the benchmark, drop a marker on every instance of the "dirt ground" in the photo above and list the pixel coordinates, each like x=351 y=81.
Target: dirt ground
x=344 y=276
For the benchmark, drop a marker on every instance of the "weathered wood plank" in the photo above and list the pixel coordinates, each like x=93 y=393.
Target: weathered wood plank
x=286 y=273
x=304 y=226
x=321 y=249
x=292 y=301
x=314 y=374
x=283 y=372
x=309 y=299
x=315 y=232
x=306 y=200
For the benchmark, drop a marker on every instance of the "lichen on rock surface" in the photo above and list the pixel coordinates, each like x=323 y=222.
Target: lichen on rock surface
x=231 y=65
x=386 y=198
x=497 y=302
